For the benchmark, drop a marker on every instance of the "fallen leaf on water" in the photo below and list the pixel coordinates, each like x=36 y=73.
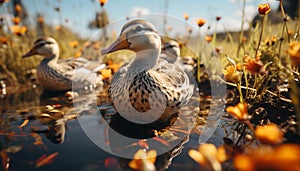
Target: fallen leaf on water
x=37 y=137
x=25 y=122
x=164 y=142
x=44 y=159
x=143 y=144
x=13 y=149
x=5 y=160
x=110 y=162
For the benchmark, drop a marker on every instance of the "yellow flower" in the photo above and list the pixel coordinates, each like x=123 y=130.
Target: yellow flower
x=73 y=44
x=264 y=9
x=201 y=22
x=186 y=16
x=269 y=134
x=294 y=52
x=103 y=2
x=231 y=74
x=209 y=156
x=143 y=160
x=18 y=30
x=281 y=158
x=240 y=111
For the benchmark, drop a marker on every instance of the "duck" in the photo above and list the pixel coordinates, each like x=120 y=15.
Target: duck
x=171 y=53
x=56 y=74
x=148 y=89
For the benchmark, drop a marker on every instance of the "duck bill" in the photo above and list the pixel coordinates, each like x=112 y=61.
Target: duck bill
x=30 y=53
x=119 y=44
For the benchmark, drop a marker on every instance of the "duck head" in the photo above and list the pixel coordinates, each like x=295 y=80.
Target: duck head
x=136 y=35
x=45 y=46
x=171 y=49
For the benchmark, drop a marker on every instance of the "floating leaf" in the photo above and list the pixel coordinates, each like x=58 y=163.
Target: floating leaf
x=13 y=149
x=37 y=137
x=164 y=142
x=143 y=144
x=44 y=159
x=5 y=160
x=110 y=162
x=25 y=122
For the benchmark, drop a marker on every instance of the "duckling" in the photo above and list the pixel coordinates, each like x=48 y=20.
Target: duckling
x=58 y=75
x=147 y=89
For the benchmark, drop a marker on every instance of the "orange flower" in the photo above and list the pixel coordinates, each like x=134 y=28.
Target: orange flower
x=18 y=8
x=244 y=39
x=294 y=52
x=4 y=40
x=264 y=9
x=58 y=28
x=231 y=74
x=143 y=160
x=74 y=44
x=18 y=30
x=103 y=2
x=41 y=19
x=254 y=66
x=16 y=20
x=240 y=111
x=273 y=40
x=186 y=16
x=269 y=134
x=208 y=39
x=201 y=22
x=209 y=156
x=266 y=158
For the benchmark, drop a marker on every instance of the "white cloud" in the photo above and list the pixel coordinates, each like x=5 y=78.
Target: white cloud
x=250 y=12
x=139 y=11
x=234 y=1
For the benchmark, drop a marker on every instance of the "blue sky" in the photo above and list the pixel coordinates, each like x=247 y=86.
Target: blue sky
x=80 y=12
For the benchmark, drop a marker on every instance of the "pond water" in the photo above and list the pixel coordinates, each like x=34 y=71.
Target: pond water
x=44 y=131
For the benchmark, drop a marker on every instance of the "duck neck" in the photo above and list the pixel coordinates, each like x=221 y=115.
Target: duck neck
x=50 y=60
x=145 y=60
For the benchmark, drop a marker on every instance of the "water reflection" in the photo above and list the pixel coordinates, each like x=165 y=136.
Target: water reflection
x=52 y=120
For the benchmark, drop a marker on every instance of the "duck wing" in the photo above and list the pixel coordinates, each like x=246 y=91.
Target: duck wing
x=173 y=81
x=75 y=63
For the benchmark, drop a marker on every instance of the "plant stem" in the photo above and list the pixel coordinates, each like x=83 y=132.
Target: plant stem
x=240 y=92
x=242 y=28
x=260 y=36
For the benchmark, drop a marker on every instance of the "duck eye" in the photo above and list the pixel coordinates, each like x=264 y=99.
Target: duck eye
x=139 y=28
